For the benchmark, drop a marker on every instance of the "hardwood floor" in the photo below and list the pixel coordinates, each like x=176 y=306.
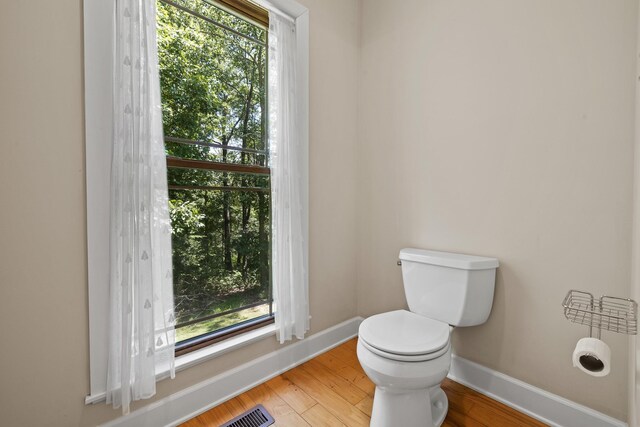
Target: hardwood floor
x=333 y=390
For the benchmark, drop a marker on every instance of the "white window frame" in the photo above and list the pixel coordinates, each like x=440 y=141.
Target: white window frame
x=98 y=41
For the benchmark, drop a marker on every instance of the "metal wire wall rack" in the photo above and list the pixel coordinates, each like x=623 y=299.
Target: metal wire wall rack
x=609 y=313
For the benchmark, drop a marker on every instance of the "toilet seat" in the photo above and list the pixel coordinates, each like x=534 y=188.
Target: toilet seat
x=404 y=336
x=404 y=358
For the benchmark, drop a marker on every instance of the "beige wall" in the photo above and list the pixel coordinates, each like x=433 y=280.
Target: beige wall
x=43 y=285
x=494 y=127
x=503 y=128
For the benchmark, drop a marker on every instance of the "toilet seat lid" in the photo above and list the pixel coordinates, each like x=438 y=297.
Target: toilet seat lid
x=404 y=333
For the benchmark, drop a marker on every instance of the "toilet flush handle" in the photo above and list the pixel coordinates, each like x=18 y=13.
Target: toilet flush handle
x=399 y=262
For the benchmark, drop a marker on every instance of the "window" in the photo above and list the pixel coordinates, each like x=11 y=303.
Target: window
x=98 y=54
x=213 y=73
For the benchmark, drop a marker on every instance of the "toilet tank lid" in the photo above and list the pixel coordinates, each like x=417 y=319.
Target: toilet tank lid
x=448 y=259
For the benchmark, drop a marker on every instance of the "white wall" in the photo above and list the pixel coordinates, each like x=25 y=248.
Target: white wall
x=43 y=284
x=503 y=128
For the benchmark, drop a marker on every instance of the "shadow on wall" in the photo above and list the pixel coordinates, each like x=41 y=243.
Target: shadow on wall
x=463 y=337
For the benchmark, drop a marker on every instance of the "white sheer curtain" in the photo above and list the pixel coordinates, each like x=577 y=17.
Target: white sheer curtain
x=141 y=324
x=290 y=286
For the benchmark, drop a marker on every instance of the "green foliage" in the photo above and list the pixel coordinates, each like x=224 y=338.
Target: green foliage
x=185 y=216
x=213 y=88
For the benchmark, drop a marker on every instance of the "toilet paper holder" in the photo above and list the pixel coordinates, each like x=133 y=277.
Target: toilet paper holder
x=609 y=313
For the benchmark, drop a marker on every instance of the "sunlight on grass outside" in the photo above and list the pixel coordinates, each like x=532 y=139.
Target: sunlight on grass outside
x=220 y=322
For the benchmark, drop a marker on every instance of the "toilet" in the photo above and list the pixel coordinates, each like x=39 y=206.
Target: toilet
x=407 y=354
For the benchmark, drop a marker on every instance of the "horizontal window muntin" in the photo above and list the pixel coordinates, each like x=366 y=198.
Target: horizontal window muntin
x=212 y=156
x=181 y=162
x=191 y=176
x=217 y=188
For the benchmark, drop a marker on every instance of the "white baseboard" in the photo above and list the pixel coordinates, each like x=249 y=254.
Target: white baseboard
x=535 y=402
x=190 y=402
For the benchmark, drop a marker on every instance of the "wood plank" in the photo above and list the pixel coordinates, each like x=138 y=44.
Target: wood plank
x=318 y=416
x=216 y=417
x=193 y=422
x=366 y=385
x=365 y=405
x=331 y=401
x=283 y=414
x=341 y=368
x=344 y=362
x=292 y=394
x=458 y=419
x=344 y=388
x=351 y=344
x=239 y=404
x=458 y=398
x=212 y=418
x=489 y=411
x=346 y=354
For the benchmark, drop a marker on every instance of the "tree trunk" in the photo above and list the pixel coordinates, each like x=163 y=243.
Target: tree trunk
x=263 y=238
x=246 y=201
x=226 y=215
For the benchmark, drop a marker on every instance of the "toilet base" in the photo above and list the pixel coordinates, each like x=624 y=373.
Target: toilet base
x=409 y=408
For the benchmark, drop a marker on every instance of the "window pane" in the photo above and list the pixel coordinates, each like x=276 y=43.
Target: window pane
x=220 y=253
x=212 y=81
x=213 y=86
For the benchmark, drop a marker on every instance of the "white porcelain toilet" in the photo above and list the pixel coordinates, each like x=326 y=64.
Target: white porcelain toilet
x=407 y=354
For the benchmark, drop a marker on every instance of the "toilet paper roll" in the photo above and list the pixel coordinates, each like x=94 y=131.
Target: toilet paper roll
x=592 y=356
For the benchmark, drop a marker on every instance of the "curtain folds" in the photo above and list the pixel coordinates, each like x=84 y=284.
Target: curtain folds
x=290 y=285
x=141 y=324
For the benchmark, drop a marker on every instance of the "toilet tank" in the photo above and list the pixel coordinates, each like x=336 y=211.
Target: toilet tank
x=452 y=288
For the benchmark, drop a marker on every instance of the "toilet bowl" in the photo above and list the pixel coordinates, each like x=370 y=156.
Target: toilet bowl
x=407 y=353
x=406 y=356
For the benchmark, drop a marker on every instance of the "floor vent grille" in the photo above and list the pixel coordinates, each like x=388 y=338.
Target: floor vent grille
x=254 y=417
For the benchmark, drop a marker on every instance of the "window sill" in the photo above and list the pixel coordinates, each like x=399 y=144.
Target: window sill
x=214 y=350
